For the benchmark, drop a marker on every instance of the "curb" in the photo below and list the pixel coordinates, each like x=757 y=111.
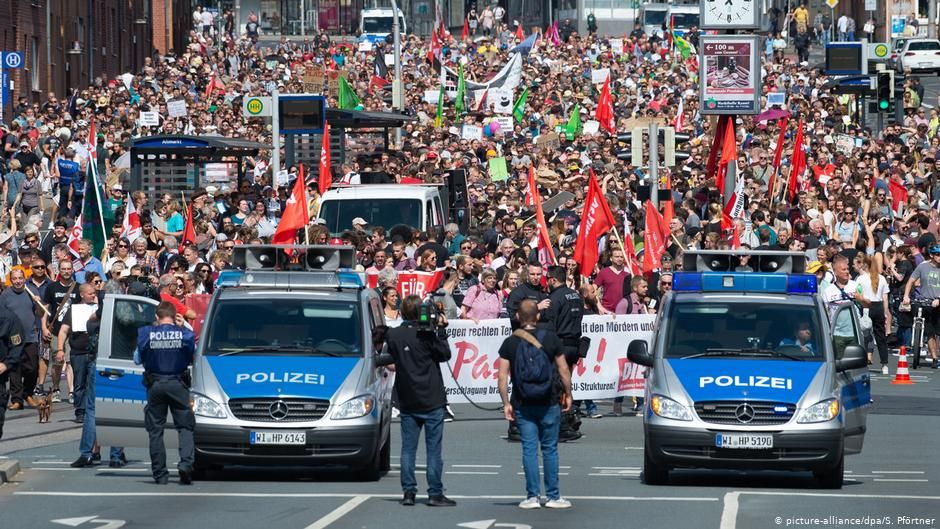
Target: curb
x=8 y=469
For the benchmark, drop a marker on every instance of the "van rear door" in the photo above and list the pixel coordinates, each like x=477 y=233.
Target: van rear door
x=120 y=395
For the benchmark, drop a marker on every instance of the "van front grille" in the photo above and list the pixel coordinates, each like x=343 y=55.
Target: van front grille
x=745 y=412
x=279 y=410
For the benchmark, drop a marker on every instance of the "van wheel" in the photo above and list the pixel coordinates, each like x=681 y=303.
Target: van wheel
x=831 y=478
x=372 y=471
x=386 y=454
x=200 y=471
x=653 y=474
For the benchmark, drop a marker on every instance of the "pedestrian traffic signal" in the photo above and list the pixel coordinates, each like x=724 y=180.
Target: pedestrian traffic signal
x=885 y=90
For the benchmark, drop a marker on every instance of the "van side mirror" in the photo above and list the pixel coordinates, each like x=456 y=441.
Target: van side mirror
x=853 y=357
x=638 y=353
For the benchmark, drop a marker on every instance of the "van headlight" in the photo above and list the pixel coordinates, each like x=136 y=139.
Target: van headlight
x=205 y=407
x=355 y=408
x=669 y=409
x=820 y=412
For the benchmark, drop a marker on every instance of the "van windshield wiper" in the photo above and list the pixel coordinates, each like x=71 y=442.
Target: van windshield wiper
x=727 y=351
x=302 y=349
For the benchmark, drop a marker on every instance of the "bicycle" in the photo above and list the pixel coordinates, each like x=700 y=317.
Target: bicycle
x=918 y=341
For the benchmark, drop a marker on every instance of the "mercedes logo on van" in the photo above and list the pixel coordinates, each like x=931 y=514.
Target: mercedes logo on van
x=278 y=410
x=743 y=413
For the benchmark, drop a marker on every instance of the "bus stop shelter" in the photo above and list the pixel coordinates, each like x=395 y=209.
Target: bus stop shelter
x=175 y=163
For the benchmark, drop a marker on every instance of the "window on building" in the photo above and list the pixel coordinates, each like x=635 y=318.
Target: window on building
x=34 y=63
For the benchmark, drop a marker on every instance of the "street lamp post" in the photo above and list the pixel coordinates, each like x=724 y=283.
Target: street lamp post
x=396 y=83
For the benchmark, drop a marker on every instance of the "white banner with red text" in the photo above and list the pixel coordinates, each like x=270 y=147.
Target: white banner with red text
x=604 y=373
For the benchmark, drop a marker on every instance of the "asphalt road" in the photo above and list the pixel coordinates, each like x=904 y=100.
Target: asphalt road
x=895 y=477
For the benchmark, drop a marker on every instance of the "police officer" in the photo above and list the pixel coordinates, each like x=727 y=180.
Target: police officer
x=11 y=351
x=166 y=350
x=531 y=288
x=564 y=316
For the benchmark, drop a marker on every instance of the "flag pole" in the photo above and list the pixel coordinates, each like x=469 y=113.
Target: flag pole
x=93 y=160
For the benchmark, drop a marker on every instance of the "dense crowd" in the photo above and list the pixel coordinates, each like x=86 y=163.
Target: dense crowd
x=869 y=195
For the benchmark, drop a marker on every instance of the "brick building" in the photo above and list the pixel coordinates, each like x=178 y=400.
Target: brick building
x=68 y=43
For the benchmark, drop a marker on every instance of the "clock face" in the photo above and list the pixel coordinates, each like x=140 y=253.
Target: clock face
x=717 y=14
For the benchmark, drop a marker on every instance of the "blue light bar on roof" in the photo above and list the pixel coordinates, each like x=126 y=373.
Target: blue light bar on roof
x=229 y=278
x=744 y=282
x=350 y=279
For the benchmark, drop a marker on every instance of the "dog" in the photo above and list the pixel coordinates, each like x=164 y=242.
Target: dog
x=45 y=408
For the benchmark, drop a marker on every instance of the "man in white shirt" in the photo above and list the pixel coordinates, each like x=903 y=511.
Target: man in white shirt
x=843 y=25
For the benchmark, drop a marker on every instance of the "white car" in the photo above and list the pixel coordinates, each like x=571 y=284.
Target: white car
x=919 y=55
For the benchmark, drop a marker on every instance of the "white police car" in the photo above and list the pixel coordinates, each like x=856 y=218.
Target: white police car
x=750 y=369
x=284 y=373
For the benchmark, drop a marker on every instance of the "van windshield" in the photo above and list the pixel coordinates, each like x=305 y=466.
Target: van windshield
x=685 y=20
x=655 y=18
x=744 y=330
x=385 y=212
x=284 y=326
x=377 y=24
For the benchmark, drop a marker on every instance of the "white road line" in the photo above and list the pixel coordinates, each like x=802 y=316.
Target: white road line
x=145 y=470
x=477 y=466
x=633 y=448
x=902 y=480
x=339 y=512
x=339 y=495
x=897 y=471
x=618 y=475
x=471 y=473
x=729 y=512
x=616 y=468
x=50 y=469
x=52 y=462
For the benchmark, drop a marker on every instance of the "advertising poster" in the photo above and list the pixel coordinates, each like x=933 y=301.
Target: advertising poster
x=730 y=76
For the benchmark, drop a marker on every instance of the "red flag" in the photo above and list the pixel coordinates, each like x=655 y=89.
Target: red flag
x=669 y=208
x=729 y=154
x=736 y=238
x=295 y=214
x=797 y=162
x=629 y=252
x=679 y=116
x=605 y=109
x=214 y=85
x=189 y=232
x=379 y=82
x=597 y=221
x=712 y=166
x=435 y=49
x=75 y=235
x=530 y=188
x=898 y=193
x=734 y=208
x=778 y=152
x=131 y=222
x=520 y=35
x=465 y=34
x=654 y=240
x=326 y=177
x=546 y=253
x=482 y=105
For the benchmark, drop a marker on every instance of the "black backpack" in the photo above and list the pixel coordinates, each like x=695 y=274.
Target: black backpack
x=532 y=369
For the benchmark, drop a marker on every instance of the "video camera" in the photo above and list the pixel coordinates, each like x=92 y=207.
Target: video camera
x=429 y=316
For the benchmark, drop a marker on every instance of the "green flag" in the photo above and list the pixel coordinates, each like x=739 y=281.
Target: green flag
x=348 y=100
x=96 y=220
x=439 y=117
x=518 y=110
x=573 y=127
x=461 y=91
x=684 y=47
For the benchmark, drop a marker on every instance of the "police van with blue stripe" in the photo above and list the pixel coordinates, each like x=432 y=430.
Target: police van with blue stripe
x=284 y=373
x=749 y=368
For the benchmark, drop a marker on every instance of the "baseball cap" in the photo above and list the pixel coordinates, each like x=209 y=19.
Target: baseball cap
x=815 y=266
x=359 y=221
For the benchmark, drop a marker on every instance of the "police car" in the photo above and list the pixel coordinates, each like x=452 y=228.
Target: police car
x=750 y=369
x=284 y=373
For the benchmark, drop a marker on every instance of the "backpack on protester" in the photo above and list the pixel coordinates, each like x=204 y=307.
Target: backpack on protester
x=532 y=370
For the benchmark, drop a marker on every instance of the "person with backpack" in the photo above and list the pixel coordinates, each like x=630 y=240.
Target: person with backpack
x=534 y=360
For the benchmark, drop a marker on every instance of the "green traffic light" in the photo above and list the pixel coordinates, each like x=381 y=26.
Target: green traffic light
x=883 y=105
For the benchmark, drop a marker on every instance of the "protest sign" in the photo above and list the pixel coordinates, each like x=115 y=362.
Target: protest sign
x=176 y=108
x=498 y=171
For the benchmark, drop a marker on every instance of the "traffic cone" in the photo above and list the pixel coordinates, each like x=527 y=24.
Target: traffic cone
x=903 y=376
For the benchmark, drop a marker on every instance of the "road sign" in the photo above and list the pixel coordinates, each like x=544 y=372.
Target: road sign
x=257 y=106
x=878 y=51
x=12 y=59
x=832 y=3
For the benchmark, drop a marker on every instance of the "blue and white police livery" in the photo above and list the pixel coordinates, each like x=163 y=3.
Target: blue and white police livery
x=748 y=371
x=284 y=372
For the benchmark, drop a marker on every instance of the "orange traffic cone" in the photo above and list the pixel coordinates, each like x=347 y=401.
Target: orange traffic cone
x=903 y=376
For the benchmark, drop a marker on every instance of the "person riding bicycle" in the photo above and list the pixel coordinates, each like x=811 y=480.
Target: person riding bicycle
x=927 y=278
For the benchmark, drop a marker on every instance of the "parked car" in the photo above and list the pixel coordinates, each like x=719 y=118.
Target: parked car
x=919 y=56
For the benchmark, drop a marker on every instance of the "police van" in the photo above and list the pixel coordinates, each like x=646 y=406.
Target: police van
x=750 y=369
x=284 y=373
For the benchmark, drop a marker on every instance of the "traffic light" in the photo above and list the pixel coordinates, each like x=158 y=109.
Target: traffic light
x=885 y=91
x=668 y=138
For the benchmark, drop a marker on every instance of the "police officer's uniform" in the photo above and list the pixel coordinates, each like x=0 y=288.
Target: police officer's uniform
x=11 y=352
x=564 y=316
x=166 y=351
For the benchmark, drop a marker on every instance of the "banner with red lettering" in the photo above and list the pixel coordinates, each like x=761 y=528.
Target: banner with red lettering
x=605 y=373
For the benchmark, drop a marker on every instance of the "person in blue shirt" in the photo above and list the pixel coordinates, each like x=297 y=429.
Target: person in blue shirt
x=802 y=339
x=68 y=175
x=88 y=262
x=166 y=349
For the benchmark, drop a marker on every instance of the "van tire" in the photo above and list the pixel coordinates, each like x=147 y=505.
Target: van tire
x=372 y=471
x=653 y=474
x=386 y=454
x=831 y=478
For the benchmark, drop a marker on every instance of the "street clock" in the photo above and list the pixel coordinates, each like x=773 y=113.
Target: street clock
x=730 y=14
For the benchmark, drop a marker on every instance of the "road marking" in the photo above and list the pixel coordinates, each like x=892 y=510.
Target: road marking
x=52 y=462
x=540 y=472
x=633 y=448
x=50 y=469
x=471 y=473
x=340 y=495
x=477 y=466
x=616 y=468
x=729 y=513
x=902 y=480
x=339 y=512
x=897 y=471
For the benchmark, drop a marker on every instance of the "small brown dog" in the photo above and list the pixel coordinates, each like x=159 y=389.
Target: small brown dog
x=45 y=408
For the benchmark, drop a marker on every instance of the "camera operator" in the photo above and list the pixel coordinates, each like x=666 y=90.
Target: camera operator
x=564 y=316
x=416 y=348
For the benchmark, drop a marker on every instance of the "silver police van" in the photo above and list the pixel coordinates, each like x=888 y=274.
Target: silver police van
x=285 y=370
x=751 y=369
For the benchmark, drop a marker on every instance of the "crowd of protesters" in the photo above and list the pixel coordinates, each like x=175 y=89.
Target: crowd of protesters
x=873 y=199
